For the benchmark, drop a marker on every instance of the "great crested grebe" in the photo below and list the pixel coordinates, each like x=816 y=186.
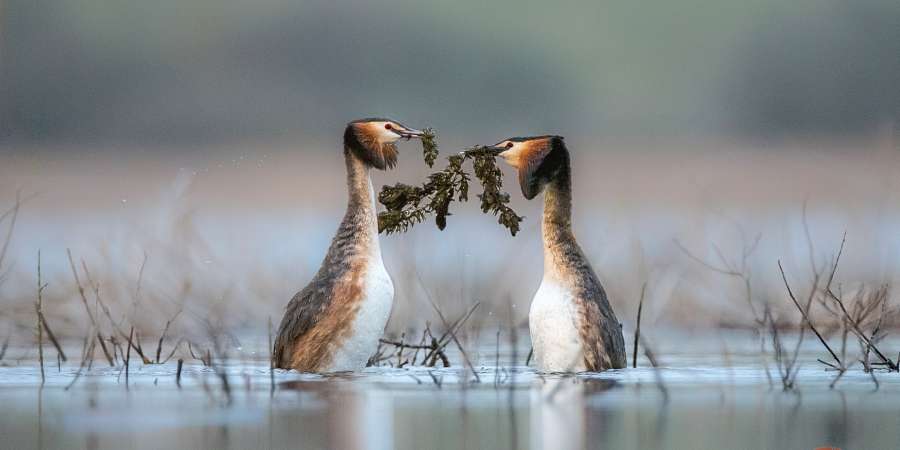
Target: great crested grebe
x=334 y=323
x=573 y=327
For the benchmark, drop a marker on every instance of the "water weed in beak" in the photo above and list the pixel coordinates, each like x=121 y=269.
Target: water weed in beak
x=429 y=147
x=408 y=205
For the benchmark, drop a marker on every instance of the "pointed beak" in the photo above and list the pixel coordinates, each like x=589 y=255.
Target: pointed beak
x=495 y=150
x=409 y=133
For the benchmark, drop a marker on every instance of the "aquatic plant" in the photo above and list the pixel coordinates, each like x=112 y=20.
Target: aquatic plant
x=429 y=147
x=408 y=205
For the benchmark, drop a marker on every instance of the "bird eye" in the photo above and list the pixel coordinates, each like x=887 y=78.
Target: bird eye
x=509 y=145
x=388 y=126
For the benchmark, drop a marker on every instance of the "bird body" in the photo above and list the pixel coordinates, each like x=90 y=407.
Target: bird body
x=573 y=327
x=367 y=319
x=334 y=323
x=552 y=321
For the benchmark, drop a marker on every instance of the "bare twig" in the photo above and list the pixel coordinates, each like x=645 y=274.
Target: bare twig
x=637 y=329
x=203 y=359
x=723 y=270
x=128 y=355
x=52 y=337
x=38 y=309
x=87 y=308
x=805 y=314
x=854 y=327
x=404 y=344
x=400 y=361
x=178 y=373
x=162 y=337
x=435 y=350
x=438 y=345
x=95 y=287
x=455 y=340
x=738 y=269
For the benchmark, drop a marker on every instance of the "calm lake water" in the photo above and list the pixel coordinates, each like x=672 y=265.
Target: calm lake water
x=715 y=395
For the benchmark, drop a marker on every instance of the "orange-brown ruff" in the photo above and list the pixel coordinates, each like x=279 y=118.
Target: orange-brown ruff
x=543 y=163
x=321 y=319
x=382 y=155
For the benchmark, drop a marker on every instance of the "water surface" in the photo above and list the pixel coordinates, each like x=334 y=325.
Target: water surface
x=716 y=395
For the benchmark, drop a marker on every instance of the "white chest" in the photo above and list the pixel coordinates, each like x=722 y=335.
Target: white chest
x=368 y=325
x=552 y=322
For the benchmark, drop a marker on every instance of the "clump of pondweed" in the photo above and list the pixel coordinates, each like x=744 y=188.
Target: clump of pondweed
x=429 y=147
x=493 y=199
x=408 y=205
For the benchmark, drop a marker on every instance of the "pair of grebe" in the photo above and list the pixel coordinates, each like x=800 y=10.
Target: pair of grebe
x=334 y=323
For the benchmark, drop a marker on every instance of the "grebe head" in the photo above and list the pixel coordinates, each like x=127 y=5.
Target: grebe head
x=373 y=140
x=536 y=158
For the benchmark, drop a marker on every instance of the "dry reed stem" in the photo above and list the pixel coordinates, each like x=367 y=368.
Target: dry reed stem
x=637 y=329
x=95 y=287
x=860 y=335
x=445 y=338
x=128 y=355
x=805 y=312
x=455 y=340
x=435 y=348
x=52 y=337
x=42 y=319
x=87 y=308
x=201 y=358
x=178 y=373
x=38 y=309
x=172 y=353
x=450 y=328
x=162 y=337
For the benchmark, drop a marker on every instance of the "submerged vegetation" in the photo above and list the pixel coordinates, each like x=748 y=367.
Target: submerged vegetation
x=408 y=205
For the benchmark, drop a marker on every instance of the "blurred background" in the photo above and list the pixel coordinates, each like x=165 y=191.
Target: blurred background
x=175 y=73
x=201 y=140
